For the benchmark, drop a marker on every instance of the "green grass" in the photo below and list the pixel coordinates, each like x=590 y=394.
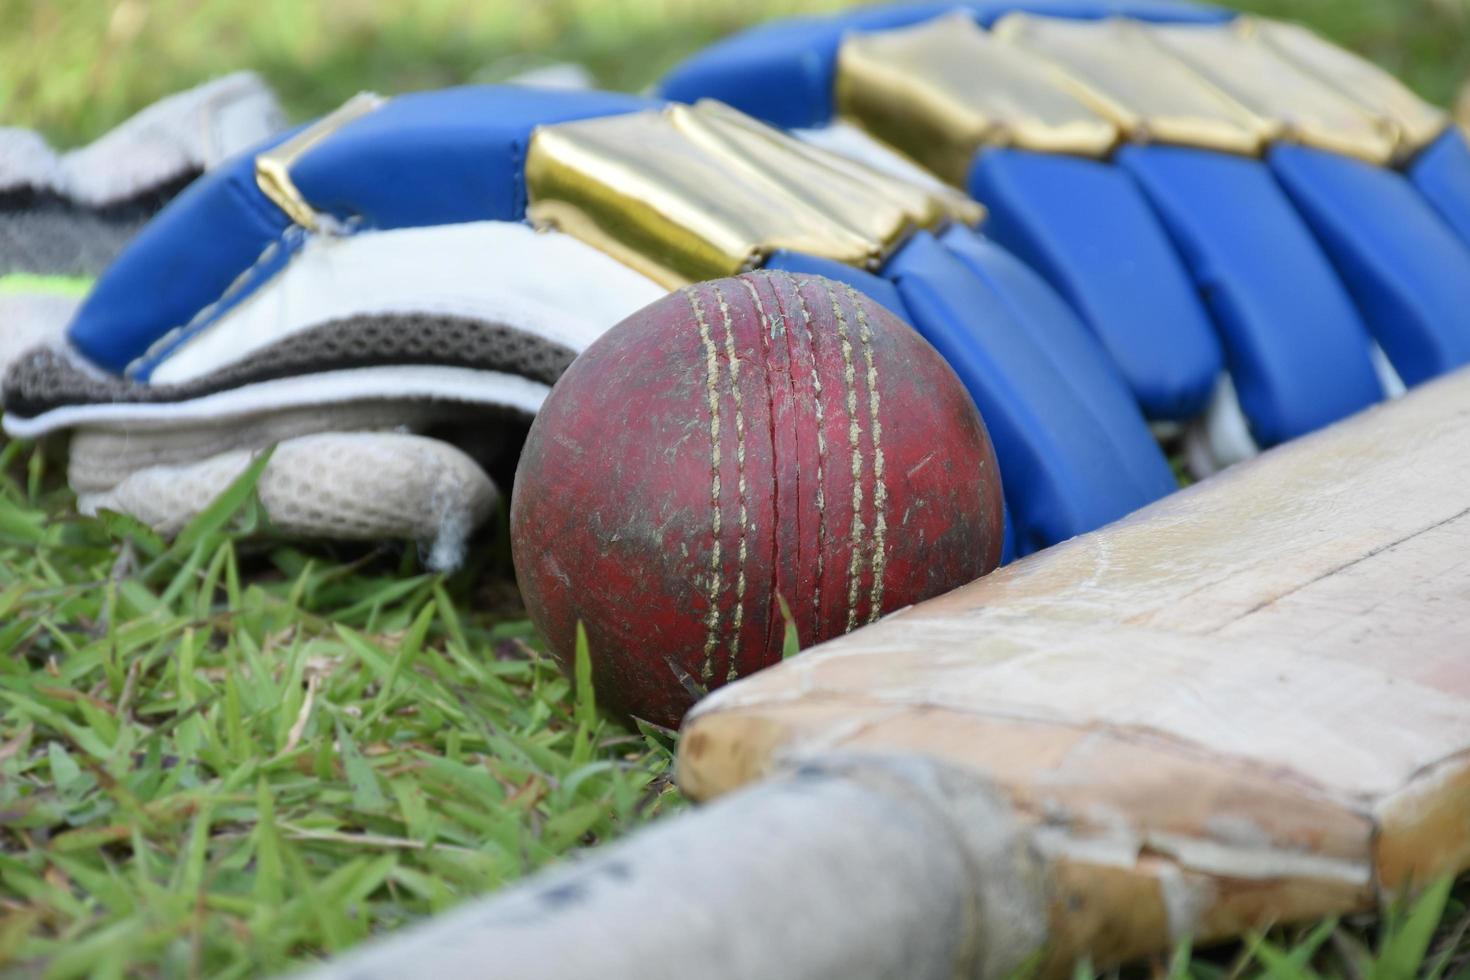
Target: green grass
x=222 y=756
x=217 y=758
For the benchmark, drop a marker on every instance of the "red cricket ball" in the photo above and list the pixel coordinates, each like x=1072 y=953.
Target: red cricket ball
x=739 y=440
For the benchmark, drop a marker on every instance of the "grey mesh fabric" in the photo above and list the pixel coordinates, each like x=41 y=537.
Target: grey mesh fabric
x=346 y=485
x=47 y=378
x=377 y=481
x=46 y=236
x=101 y=457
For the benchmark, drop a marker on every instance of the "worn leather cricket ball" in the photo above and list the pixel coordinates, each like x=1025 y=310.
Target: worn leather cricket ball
x=737 y=443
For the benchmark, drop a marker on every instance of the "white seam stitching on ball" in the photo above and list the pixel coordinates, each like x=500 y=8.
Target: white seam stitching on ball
x=880 y=488
x=855 y=534
x=768 y=332
x=739 y=617
x=711 y=381
x=806 y=324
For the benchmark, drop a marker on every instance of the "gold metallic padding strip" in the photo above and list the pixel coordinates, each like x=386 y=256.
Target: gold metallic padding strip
x=1417 y=123
x=273 y=167
x=941 y=90
x=1118 y=71
x=1235 y=60
x=831 y=179
x=687 y=193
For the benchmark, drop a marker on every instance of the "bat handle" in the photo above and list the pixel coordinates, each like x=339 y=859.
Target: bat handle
x=852 y=867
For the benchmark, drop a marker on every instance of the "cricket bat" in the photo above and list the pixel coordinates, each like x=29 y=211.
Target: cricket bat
x=1246 y=704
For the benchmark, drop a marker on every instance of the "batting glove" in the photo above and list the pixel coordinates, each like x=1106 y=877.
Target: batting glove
x=1207 y=191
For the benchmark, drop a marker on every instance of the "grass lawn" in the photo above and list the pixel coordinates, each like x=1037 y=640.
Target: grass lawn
x=226 y=757
x=216 y=758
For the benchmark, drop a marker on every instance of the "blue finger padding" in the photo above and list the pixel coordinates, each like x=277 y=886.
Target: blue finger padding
x=1063 y=470
x=1062 y=338
x=1087 y=228
x=1441 y=172
x=1297 y=351
x=185 y=259
x=444 y=157
x=1408 y=273
x=782 y=72
x=879 y=290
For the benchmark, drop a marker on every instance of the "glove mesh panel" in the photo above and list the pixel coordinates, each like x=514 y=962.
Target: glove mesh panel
x=346 y=486
x=46 y=379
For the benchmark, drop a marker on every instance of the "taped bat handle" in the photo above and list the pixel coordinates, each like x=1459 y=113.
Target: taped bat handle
x=858 y=868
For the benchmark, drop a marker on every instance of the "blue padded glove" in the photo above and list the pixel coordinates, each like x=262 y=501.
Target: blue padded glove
x=386 y=256
x=1203 y=190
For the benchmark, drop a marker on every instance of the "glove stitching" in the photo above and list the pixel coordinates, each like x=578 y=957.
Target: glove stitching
x=206 y=315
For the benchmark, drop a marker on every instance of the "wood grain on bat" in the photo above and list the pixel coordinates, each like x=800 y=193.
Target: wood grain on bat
x=1248 y=702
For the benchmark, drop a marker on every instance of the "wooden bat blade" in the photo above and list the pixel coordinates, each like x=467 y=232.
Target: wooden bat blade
x=1249 y=702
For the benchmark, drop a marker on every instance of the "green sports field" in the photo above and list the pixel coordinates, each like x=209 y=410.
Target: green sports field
x=226 y=757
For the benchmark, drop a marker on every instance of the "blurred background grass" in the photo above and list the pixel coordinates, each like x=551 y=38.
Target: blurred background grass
x=73 y=68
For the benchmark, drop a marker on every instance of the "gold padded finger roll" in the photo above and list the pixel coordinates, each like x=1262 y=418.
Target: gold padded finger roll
x=1118 y=71
x=941 y=90
x=687 y=193
x=1417 y=123
x=1238 y=62
x=834 y=178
